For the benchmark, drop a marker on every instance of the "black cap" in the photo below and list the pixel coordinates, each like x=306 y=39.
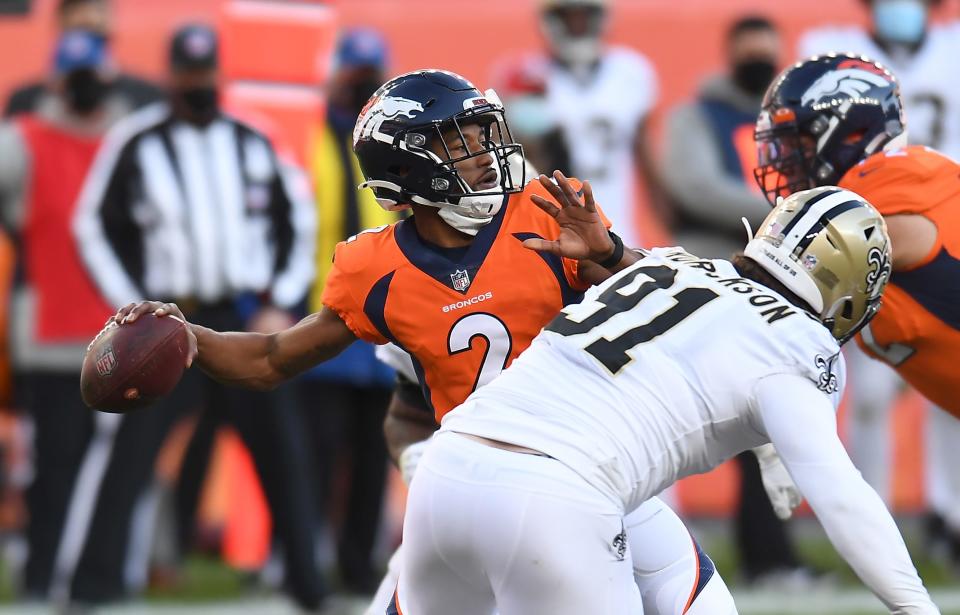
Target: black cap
x=194 y=47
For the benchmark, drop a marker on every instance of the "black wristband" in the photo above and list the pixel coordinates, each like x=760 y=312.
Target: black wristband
x=617 y=255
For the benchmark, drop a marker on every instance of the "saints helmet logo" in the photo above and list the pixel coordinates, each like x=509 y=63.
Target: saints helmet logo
x=879 y=274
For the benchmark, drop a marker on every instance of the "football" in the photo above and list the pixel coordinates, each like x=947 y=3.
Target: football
x=132 y=365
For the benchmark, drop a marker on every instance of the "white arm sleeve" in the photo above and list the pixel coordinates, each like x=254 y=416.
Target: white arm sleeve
x=801 y=423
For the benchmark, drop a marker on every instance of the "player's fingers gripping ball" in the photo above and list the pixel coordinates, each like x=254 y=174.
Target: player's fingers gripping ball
x=133 y=362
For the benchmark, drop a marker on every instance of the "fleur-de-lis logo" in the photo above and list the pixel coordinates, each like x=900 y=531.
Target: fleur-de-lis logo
x=827 y=381
x=879 y=271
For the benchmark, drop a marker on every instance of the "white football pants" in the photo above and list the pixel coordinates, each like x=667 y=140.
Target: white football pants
x=490 y=529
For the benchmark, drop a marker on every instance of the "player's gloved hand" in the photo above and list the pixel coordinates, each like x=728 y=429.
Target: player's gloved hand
x=130 y=312
x=780 y=488
x=583 y=235
x=409 y=459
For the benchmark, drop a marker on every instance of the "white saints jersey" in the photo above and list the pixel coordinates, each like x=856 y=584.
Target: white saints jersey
x=652 y=377
x=928 y=81
x=598 y=118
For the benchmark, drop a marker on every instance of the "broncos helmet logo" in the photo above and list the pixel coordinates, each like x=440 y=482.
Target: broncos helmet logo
x=394 y=106
x=381 y=109
x=846 y=83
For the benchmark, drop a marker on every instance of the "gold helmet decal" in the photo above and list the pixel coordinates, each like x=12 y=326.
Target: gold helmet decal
x=830 y=247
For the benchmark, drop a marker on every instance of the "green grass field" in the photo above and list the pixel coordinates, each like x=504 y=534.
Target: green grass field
x=208 y=587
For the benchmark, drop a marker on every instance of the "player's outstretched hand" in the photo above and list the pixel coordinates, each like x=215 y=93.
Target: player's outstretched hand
x=583 y=235
x=130 y=312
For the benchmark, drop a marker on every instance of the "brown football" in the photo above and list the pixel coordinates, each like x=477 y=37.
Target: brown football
x=130 y=366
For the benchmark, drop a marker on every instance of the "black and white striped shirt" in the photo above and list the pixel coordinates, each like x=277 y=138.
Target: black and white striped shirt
x=174 y=211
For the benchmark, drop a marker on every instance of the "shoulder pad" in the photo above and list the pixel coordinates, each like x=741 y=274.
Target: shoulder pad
x=360 y=251
x=909 y=180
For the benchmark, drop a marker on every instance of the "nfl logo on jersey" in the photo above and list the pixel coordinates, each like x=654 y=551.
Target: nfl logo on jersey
x=460 y=279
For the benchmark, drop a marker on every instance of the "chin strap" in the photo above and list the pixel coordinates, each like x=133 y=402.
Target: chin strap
x=746 y=226
x=465 y=224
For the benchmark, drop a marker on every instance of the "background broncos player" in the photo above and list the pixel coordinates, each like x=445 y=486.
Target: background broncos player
x=667 y=369
x=902 y=36
x=855 y=136
x=430 y=141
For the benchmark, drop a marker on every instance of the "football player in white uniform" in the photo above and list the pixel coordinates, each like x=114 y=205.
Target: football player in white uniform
x=671 y=366
x=600 y=98
x=922 y=55
x=673 y=578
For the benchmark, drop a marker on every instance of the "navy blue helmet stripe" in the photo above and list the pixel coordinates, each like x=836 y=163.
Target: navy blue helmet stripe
x=806 y=207
x=822 y=223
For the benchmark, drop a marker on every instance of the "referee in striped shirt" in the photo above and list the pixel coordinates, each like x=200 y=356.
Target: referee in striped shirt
x=188 y=203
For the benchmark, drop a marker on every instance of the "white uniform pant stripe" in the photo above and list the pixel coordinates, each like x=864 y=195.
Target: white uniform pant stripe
x=83 y=500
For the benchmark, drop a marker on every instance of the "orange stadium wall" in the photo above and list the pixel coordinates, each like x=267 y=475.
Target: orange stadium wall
x=683 y=38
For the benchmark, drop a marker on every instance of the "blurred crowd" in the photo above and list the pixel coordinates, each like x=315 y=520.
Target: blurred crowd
x=114 y=189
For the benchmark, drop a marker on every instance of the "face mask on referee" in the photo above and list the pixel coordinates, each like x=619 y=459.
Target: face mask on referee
x=193 y=75
x=193 y=96
x=197 y=105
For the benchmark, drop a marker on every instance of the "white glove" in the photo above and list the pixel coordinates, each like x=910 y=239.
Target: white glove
x=409 y=459
x=783 y=493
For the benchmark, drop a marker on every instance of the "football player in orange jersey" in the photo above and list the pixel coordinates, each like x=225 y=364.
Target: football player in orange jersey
x=460 y=285
x=839 y=119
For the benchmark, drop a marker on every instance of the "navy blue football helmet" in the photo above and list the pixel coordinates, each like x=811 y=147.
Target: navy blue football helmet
x=402 y=126
x=822 y=116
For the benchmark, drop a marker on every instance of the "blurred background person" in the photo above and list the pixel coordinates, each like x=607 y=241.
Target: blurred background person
x=601 y=98
x=902 y=37
x=345 y=399
x=521 y=85
x=46 y=153
x=922 y=55
x=94 y=17
x=186 y=202
x=710 y=151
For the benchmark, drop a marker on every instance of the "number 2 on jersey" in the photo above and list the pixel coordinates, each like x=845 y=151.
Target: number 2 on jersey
x=612 y=353
x=494 y=332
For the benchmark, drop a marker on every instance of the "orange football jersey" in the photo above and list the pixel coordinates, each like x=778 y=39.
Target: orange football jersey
x=918 y=327
x=462 y=314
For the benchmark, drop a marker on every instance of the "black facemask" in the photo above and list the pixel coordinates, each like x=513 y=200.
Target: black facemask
x=201 y=104
x=753 y=76
x=84 y=91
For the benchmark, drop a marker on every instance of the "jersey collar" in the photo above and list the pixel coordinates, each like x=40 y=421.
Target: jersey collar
x=440 y=266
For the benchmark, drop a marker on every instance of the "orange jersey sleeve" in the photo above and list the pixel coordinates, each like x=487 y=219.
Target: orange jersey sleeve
x=358 y=263
x=918 y=324
x=914 y=179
